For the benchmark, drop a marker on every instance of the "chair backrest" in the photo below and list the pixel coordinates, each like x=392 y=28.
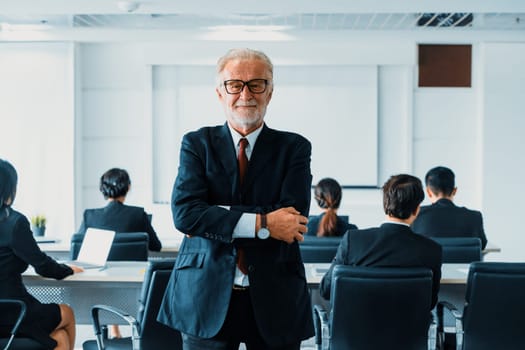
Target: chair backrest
x=127 y=246
x=12 y=313
x=380 y=308
x=319 y=249
x=495 y=306
x=346 y=218
x=462 y=250
x=154 y=335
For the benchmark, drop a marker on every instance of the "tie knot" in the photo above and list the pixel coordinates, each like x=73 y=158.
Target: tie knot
x=243 y=143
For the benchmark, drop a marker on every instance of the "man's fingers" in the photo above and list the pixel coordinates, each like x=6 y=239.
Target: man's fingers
x=299 y=237
x=291 y=210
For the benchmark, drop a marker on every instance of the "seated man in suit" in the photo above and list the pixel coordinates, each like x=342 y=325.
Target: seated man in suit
x=393 y=244
x=443 y=218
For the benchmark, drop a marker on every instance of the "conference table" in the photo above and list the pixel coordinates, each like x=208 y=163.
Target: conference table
x=119 y=285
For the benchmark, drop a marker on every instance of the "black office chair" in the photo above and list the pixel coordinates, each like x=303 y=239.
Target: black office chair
x=127 y=246
x=344 y=217
x=377 y=308
x=9 y=338
x=319 y=249
x=146 y=332
x=493 y=317
x=461 y=250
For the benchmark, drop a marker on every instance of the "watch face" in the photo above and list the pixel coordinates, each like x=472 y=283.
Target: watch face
x=263 y=233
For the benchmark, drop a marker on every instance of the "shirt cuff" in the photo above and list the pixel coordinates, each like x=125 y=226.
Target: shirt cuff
x=245 y=227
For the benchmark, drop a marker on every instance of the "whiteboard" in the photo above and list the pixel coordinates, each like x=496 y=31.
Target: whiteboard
x=335 y=107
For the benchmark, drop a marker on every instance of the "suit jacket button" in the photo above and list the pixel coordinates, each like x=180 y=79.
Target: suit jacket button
x=251 y=268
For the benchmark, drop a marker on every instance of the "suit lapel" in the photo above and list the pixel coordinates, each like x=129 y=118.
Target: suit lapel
x=227 y=155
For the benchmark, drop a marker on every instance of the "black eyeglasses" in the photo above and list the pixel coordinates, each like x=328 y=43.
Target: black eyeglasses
x=256 y=86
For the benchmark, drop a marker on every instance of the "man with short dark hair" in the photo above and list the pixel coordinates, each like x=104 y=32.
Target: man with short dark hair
x=393 y=244
x=443 y=218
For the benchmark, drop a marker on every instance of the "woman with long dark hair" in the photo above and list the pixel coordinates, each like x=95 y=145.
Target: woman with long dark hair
x=52 y=324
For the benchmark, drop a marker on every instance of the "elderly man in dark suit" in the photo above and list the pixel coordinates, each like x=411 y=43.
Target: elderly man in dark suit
x=393 y=244
x=443 y=218
x=241 y=197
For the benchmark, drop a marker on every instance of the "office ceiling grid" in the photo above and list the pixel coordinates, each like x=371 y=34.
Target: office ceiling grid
x=308 y=21
x=292 y=22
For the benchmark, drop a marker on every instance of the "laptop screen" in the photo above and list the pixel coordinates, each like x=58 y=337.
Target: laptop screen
x=96 y=246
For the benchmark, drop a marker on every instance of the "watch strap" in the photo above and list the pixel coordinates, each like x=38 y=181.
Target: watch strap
x=263 y=221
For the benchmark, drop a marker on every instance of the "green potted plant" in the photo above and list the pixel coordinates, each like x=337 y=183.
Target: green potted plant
x=38 y=223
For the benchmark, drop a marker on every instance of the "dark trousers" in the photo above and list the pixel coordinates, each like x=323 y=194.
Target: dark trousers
x=239 y=327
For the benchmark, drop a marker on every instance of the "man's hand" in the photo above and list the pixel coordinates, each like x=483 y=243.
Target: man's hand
x=286 y=224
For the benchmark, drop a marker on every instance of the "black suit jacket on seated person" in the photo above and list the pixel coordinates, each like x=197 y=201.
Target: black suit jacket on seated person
x=199 y=291
x=390 y=245
x=445 y=219
x=117 y=216
x=18 y=250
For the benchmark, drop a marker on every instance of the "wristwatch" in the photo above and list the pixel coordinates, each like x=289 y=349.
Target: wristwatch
x=263 y=232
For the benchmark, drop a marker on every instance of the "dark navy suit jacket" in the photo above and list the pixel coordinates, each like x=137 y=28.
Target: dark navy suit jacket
x=445 y=219
x=390 y=245
x=199 y=291
x=119 y=217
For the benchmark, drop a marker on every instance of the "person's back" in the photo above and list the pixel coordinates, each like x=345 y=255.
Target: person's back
x=117 y=216
x=443 y=218
x=393 y=244
x=328 y=194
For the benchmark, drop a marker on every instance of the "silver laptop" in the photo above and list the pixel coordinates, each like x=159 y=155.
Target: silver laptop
x=95 y=249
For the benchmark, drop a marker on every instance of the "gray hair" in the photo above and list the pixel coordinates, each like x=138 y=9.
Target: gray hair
x=242 y=54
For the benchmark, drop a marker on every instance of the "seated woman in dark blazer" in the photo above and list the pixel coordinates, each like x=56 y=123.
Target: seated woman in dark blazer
x=116 y=216
x=52 y=325
x=328 y=195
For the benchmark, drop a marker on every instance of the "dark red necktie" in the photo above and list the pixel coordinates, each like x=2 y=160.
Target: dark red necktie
x=243 y=165
x=242 y=158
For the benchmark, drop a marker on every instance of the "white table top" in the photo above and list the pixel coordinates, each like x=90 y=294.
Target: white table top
x=450 y=273
x=115 y=271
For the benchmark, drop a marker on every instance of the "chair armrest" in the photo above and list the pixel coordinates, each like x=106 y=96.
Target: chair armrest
x=457 y=316
x=19 y=318
x=432 y=333
x=135 y=335
x=322 y=327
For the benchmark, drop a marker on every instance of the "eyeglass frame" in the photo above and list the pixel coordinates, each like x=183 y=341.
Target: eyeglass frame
x=245 y=83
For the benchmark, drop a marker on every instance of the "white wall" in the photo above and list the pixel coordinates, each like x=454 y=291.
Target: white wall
x=37 y=123
x=503 y=148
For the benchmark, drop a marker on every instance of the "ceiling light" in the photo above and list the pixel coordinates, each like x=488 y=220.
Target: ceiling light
x=128 y=6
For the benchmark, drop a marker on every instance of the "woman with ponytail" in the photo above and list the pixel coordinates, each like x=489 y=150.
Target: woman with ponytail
x=328 y=195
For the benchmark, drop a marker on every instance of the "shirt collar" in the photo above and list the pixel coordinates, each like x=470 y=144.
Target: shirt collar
x=395 y=223
x=251 y=137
